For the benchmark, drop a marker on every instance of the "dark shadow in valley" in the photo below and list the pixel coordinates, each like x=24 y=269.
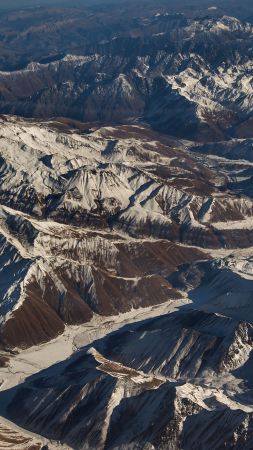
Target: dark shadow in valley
x=215 y=288
x=39 y=403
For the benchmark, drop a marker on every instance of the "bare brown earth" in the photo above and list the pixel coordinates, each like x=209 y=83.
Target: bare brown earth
x=87 y=250
x=14 y=440
x=117 y=45
x=163 y=381
x=3 y=361
x=31 y=324
x=138 y=280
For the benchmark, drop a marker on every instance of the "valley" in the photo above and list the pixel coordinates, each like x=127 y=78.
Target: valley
x=126 y=226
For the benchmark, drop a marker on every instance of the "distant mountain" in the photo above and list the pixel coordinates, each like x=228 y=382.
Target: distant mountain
x=187 y=78
x=126 y=226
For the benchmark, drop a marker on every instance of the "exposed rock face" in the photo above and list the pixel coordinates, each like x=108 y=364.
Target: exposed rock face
x=187 y=77
x=126 y=178
x=156 y=382
x=126 y=227
x=94 y=223
x=223 y=286
x=11 y=437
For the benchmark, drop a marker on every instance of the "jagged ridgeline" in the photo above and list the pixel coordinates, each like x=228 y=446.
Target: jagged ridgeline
x=187 y=77
x=126 y=226
x=114 y=210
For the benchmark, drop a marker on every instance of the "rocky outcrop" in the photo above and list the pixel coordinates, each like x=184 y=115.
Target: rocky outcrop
x=98 y=223
x=163 y=71
x=155 y=382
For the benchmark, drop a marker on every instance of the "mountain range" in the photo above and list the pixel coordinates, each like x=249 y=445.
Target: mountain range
x=126 y=231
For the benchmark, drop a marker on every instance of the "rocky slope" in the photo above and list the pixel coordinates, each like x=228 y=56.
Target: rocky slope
x=126 y=227
x=159 y=382
x=99 y=221
x=10 y=438
x=187 y=77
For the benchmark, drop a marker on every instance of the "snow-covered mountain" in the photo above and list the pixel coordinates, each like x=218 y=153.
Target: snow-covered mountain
x=98 y=222
x=106 y=221
x=126 y=228
x=189 y=78
x=159 y=383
